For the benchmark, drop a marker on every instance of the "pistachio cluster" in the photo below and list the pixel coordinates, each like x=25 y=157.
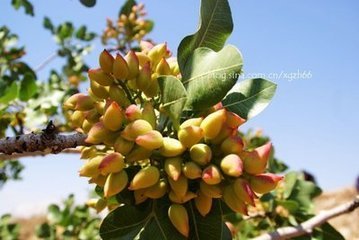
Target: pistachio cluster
x=129 y=27
x=205 y=159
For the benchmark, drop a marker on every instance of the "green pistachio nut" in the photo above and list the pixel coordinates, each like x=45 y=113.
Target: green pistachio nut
x=100 y=77
x=191 y=170
x=118 y=95
x=146 y=177
x=79 y=101
x=135 y=129
x=232 y=165
x=191 y=135
x=233 y=202
x=115 y=183
x=123 y=146
x=211 y=175
x=133 y=64
x=173 y=167
x=213 y=191
x=264 y=182
x=171 y=147
x=120 y=68
x=201 y=154
x=112 y=163
x=151 y=140
x=91 y=167
x=113 y=117
x=158 y=190
x=148 y=114
x=106 y=61
x=213 y=123
x=243 y=191
x=255 y=162
x=180 y=186
x=203 y=203
x=179 y=218
x=133 y=112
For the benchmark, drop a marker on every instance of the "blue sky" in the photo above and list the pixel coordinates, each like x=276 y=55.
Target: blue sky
x=313 y=119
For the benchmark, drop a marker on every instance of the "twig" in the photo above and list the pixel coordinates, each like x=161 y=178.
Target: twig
x=13 y=156
x=308 y=226
x=47 y=141
x=128 y=93
x=47 y=61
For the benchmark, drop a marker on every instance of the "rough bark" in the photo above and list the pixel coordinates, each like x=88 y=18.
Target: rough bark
x=46 y=141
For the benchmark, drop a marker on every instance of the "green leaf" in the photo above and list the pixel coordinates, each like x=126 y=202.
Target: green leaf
x=150 y=220
x=291 y=205
x=210 y=227
x=84 y=35
x=48 y=24
x=303 y=192
x=65 y=31
x=127 y=7
x=10 y=93
x=215 y=27
x=136 y=222
x=88 y=3
x=81 y=32
x=28 y=87
x=173 y=97
x=289 y=182
x=328 y=232
x=209 y=75
x=29 y=9
x=324 y=232
x=250 y=97
x=54 y=214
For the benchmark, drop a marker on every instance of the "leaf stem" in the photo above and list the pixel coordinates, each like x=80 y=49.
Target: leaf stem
x=127 y=91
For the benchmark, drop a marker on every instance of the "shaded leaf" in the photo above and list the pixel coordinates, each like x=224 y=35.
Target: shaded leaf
x=132 y=222
x=81 y=32
x=28 y=87
x=303 y=192
x=65 y=31
x=215 y=27
x=88 y=3
x=209 y=75
x=48 y=24
x=324 y=232
x=250 y=97
x=127 y=7
x=291 y=205
x=211 y=226
x=84 y=35
x=173 y=97
x=29 y=9
x=10 y=93
x=289 y=182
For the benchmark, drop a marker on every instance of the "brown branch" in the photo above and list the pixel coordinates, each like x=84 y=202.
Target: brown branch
x=308 y=226
x=47 y=141
x=13 y=156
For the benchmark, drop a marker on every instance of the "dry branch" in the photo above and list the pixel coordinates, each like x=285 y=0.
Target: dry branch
x=308 y=226
x=47 y=141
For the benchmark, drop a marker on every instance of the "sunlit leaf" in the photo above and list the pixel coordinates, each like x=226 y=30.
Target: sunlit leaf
x=215 y=27
x=250 y=97
x=173 y=97
x=209 y=75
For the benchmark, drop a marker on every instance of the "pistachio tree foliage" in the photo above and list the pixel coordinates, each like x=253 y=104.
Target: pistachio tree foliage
x=167 y=157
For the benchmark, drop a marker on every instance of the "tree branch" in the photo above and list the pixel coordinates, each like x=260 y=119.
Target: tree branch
x=308 y=226
x=4 y=157
x=47 y=141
